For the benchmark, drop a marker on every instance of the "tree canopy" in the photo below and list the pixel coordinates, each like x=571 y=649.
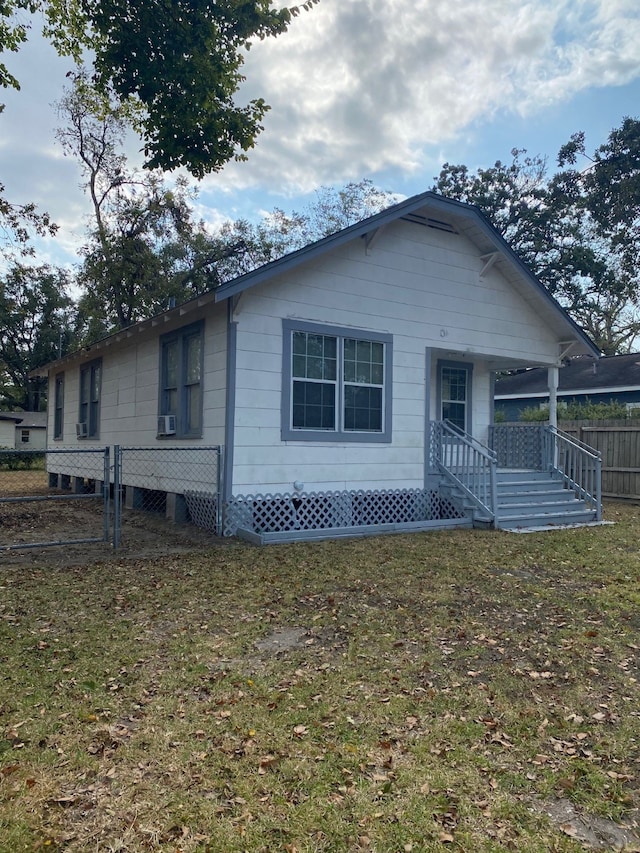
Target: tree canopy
x=178 y=64
x=578 y=229
x=36 y=325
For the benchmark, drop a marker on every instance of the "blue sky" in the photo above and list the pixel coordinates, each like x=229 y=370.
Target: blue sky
x=380 y=89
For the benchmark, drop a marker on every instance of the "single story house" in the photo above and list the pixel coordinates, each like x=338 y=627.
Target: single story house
x=350 y=383
x=610 y=379
x=23 y=430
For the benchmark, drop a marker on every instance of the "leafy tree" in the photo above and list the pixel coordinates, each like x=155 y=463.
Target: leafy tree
x=605 y=193
x=13 y=33
x=178 y=63
x=279 y=233
x=145 y=249
x=36 y=325
x=18 y=222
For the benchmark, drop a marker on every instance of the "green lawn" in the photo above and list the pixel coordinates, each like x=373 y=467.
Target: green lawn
x=444 y=690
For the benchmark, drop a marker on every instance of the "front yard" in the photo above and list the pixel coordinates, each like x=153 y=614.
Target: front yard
x=461 y=690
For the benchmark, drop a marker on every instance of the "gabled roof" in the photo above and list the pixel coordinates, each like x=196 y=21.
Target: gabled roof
x=431 y=210
x=428 y=210
x=582 y=375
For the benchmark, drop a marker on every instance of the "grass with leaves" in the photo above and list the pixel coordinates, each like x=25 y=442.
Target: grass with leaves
x=439 y=691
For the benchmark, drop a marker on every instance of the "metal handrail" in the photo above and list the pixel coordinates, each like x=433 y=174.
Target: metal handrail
x=565 y=436
x=579 y=466
x=467 y=463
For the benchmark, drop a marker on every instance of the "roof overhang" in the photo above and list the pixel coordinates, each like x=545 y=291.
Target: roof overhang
x=428 y=210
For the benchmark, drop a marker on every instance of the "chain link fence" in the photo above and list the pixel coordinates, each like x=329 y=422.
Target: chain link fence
x=181 y=484
x=54 y=497
x=145 y=499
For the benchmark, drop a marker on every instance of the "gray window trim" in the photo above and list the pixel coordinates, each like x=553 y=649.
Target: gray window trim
x=58 y=406
x=93 y=429
x=460 y=365
x=337 y=436
x=180 y=335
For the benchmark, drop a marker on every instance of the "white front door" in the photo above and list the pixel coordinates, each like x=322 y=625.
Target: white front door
x=454 y=394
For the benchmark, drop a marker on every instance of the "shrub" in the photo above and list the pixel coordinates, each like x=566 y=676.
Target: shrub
x=587 y=411
x=17 y=460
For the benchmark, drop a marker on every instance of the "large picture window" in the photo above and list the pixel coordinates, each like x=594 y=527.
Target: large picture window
x=336 y=384
x=90 y=391
x=181 y=379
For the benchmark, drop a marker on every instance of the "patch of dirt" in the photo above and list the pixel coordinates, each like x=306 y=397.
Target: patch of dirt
x=283 y=640
x=144 y=534
x=596 y=832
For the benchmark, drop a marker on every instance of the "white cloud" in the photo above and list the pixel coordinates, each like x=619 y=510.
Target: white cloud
x=365 y=86
x=357 y=88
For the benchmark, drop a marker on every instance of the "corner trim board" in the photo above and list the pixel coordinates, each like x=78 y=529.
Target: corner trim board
x=230 y=412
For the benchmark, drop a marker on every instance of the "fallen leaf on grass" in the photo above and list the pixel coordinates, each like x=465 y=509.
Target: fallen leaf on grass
x=266 y=762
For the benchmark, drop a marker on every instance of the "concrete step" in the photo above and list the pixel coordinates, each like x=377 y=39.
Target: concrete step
x=546 y=519
x=546 y=508
x=537 y=496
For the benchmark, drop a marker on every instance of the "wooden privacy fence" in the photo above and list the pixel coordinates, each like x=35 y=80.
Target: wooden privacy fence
x=619 y=444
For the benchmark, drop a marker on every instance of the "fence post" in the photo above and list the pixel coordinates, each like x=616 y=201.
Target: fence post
x=218 y=491
x=598 y=489
x=117 y=497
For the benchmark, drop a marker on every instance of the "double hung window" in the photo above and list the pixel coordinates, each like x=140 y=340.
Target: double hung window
x=58 y=411
x=336 y=384
x=90 y=391
x=181 y=379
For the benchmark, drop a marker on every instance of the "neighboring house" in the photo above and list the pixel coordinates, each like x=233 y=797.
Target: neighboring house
x=614 y=378
x=23 y=430
x=324 y=374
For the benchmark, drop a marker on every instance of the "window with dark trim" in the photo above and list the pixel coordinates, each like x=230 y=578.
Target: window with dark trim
x=58 y=410
x=25 y=436
x=90 y=392
x=181 y=379
x=336 y=383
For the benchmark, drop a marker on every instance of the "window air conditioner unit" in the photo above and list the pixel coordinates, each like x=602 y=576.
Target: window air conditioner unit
x=166 y=425
x=82 y=430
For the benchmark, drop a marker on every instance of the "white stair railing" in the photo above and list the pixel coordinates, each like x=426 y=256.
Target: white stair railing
x=466 y=463
x=579 y=466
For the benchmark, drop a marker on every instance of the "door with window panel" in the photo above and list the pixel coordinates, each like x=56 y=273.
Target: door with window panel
x=454 y=386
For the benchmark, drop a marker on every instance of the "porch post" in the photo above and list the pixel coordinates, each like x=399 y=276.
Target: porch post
x=553 y=396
